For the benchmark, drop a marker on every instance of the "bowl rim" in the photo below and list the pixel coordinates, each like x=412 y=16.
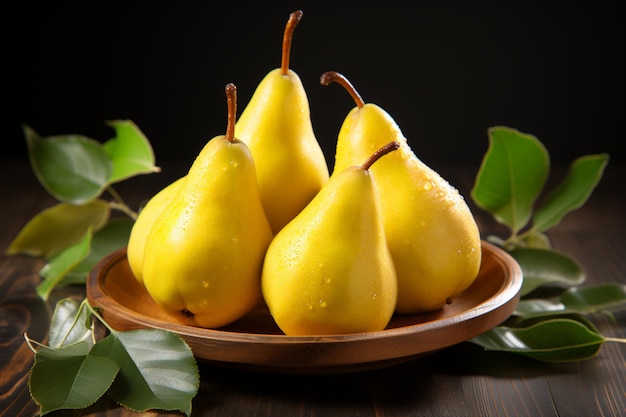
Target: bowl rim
x=465 y=324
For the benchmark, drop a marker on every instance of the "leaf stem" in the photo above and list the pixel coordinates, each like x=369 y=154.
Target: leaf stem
x=120 y=205
x=30 y=342
x=615 y=339
x=516 y=238
x=512 y=241
x=74 y=322
x=98 y=316
x=525 y=234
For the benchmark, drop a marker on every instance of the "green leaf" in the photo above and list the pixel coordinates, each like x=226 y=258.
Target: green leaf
x=61 y=264
x=59 y=353
x=554 y=340
x=595 y=298
x=584 y=174
x=130 y=151
x=70 y=381
x=511 y=177
x=157 y=370
x=70 y=324
x=547 y=266
x=576 y=300
x=72 y=168
x=113 y=236
x=57 y=227
x=74 y=276
x=531 y=321
x=538 y=307
x=537 y=240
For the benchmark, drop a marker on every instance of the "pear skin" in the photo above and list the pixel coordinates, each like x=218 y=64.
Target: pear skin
x=204 y=253
x=431 y=232
x=143 y=224
x=329 y=271
x=276 y=125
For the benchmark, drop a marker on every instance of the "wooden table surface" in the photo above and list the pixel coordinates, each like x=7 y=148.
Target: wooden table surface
x=462 y=380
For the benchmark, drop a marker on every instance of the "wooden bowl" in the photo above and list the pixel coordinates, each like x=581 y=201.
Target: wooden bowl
x=256 y=343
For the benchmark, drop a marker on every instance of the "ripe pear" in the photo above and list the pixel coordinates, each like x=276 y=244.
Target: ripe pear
x=276 y=125
x=329 y=271
x=204 y=253
x=141 y=228
x=431 y=232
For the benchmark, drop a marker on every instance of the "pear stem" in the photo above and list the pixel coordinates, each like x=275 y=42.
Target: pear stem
x=391 y=146
x=231 y=100
x=294 y=18
x=332 y=76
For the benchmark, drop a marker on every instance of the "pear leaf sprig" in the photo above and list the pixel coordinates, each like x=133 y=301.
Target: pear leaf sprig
x=509 y=183
x=79 y=230
x=74 y=370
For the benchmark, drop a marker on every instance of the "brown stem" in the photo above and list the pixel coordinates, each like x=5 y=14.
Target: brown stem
x=332 y=76
x=294 y=18
x=231 y=99
x=391 y=146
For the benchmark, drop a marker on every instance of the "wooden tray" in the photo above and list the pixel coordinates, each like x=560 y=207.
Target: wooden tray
x=255 y=343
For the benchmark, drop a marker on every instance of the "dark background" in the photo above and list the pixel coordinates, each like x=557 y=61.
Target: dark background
x=446 y=71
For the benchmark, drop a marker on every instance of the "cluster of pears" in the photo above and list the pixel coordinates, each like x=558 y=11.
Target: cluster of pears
x=258 y=219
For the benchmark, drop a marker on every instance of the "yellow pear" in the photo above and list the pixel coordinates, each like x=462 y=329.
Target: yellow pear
x=145 y=219
x=431 y=232
x=276 y=126
x=204 y=253
x=329 y=271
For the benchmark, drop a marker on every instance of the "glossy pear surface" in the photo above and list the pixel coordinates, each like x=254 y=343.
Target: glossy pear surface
x=431 y=233
x=143 y=224
x=276 y=126
x=204 y=253
x=329 y=270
